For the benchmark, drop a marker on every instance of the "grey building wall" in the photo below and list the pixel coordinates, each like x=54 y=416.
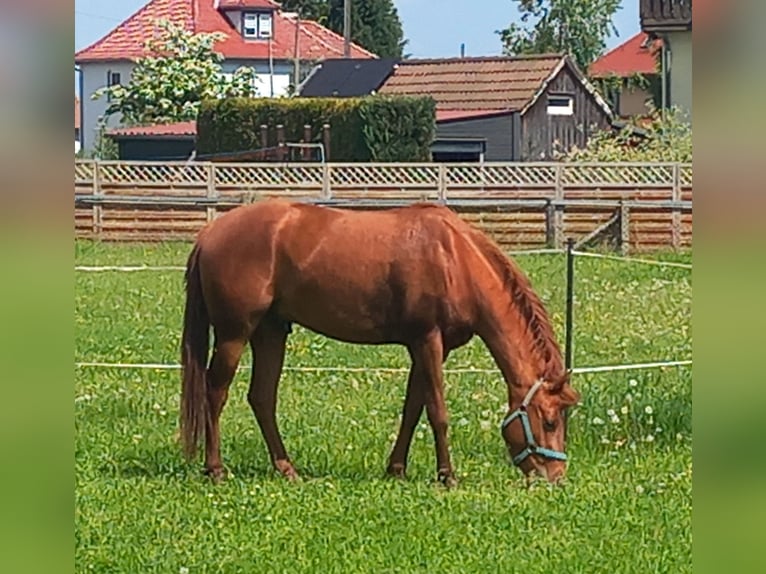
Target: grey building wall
x=496 y=130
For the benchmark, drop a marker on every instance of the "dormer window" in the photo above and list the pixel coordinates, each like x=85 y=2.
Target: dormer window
x=257 y=25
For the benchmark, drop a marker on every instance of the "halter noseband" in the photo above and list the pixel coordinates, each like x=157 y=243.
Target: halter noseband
x=532 y=447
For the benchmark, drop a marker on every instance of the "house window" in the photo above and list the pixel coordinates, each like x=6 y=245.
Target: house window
x=256 y=25
x=114 y=79
x=560 y=105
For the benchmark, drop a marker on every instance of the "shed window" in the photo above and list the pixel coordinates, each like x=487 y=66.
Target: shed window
x=560 y=105
x=256 y=25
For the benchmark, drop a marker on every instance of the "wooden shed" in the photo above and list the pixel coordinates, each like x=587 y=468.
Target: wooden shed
x=504 y=108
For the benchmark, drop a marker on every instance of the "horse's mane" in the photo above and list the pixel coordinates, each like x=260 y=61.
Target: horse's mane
x=526 y=301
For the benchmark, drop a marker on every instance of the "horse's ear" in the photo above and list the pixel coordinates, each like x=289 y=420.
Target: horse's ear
x=567 y=395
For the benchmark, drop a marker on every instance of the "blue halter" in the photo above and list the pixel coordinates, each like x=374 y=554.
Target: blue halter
x=532 y=447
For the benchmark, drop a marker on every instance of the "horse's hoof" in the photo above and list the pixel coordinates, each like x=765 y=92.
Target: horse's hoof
x=216 y=475
x=448 y=479
x=396 y=470
x=287 y=470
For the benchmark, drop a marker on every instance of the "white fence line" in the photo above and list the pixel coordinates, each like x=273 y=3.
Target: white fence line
x=633 y=260
x=303 y=369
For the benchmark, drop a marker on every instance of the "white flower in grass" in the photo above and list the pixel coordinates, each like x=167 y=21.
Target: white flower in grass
x=615 y=419
x=658 y=430
x=624 y=410
x=633 y=382
x=648 y=410
x=610 y=412
x=639 y=489
x=597 y=421
x=649 y=438
x=485 y=425
x=183 y=570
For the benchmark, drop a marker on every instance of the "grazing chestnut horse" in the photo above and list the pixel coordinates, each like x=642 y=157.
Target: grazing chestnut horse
x=417 y=276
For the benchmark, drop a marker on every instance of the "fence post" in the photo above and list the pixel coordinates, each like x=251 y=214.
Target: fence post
x=675 y=225
x=98 y=194
x=550 y=224
x=441 y=191
x=623 y=241
x=326 y=189
x=281 y=149
x=305 y=152
x=212 y=191
x=326 y=141
x=264 y=136
x=558 y=211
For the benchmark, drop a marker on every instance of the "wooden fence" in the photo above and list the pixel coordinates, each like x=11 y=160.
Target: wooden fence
x=641 y=207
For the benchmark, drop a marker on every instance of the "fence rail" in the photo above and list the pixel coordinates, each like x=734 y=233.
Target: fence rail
x=644 y=206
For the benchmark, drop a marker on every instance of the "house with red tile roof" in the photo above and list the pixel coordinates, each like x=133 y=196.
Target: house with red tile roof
x=630 y=74
x=670 y=21
x=258 y=34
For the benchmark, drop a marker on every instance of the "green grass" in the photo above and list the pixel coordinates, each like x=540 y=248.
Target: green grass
x=626 y=505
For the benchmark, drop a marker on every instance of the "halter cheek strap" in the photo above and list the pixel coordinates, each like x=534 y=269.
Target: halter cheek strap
x=531 y=447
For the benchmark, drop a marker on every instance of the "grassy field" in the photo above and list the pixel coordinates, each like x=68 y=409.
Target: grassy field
x=625 y=507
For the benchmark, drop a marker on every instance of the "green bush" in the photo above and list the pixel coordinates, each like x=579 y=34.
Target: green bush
x=372 y=128
x=661 y=137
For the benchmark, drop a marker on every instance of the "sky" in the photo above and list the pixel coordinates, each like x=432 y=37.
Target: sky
x=434 y=28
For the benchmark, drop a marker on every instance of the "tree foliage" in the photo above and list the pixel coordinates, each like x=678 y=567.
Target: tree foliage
x=375 y=24
x=180 y=70
x=576 y=27
x=664 y=136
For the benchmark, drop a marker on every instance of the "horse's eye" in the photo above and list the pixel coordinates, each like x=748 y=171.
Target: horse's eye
x=549 y=426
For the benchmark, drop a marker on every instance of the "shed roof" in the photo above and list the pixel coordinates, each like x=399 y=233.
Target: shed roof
x=178 y=129
x=498 y=83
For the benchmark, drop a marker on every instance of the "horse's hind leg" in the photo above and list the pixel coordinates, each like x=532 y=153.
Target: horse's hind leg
x=268 y=344
x=223 y=365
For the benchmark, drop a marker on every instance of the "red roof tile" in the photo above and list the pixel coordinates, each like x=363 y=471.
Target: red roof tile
x=177 y=129
x=636 y=56
x=488 y=84
x=224 y=4
x=127 y=40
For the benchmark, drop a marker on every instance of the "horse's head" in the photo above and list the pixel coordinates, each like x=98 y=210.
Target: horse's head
x=535 y=427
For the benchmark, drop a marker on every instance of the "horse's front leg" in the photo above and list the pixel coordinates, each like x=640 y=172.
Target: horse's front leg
x=428 y=355
x=413 y=407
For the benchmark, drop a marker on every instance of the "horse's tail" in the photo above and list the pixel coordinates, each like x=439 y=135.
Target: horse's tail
x=194 y=351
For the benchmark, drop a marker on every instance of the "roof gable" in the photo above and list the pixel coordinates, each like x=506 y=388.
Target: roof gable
x=638 y=55
x=344 y=77
x=126 y=41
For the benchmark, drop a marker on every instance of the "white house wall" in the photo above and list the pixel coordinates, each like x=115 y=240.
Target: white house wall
x=94 y=77
x=681 y=70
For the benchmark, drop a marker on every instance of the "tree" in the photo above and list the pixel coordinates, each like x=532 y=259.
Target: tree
x=375 y=24
x=575 y=27
x=180 y=71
